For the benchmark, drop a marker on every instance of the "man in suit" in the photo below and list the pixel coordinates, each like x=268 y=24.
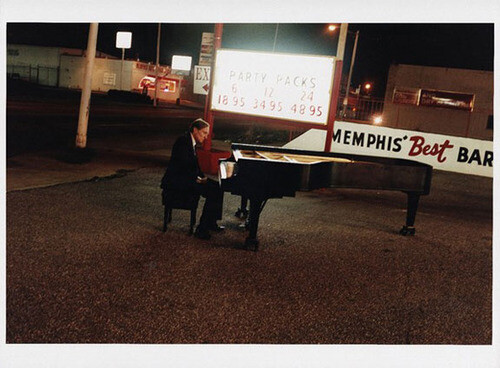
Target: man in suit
x=183 y=175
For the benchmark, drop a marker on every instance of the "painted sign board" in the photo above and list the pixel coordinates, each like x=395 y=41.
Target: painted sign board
x=450 y=100
x=181 y=65
x=282 y=86
x=407 y=97
x=206 y=49
x=448 y=153
x=201 y=82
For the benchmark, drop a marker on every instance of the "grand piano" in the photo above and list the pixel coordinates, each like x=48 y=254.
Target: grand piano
x=259 y=173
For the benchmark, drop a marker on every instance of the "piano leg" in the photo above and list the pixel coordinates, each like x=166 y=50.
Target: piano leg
x=242 y=211
x=256 y=206
x=411 y=212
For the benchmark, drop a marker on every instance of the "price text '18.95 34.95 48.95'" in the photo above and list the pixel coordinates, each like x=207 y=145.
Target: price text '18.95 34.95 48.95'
x=282 y=86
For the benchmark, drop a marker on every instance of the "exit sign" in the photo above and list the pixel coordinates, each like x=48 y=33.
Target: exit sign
x=201 y=81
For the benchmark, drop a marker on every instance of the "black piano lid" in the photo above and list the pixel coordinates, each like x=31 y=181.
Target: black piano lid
x=354 y=157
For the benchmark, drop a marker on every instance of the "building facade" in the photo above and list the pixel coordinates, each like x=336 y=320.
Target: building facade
x=65 y=68
x=457 y=102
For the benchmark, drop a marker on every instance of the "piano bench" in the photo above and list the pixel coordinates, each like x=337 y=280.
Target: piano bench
x=180 y=203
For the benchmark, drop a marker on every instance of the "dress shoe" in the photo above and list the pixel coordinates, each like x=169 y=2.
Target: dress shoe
x=217 y=228
x=202 y=234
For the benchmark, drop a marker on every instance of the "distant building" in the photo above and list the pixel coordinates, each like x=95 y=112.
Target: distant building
x=40 y=64
x=456 y=102
x=64 y=67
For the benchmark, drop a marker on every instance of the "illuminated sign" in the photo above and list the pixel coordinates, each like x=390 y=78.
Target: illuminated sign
x=123 y=40
x=451 y=100
x=201 y=81
x=207 y=49
x=181 y=64
x=164 y=84
x=449 y=153
x=282 y=86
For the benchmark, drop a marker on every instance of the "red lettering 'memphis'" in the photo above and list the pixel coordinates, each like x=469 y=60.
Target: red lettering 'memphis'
x=420 y=148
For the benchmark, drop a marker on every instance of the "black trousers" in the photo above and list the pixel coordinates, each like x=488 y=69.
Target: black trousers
x=212 y=210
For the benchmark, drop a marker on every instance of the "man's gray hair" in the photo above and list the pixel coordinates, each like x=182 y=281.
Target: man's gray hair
x=198 y=124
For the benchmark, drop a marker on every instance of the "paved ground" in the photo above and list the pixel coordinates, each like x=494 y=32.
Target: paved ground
x=87 y=263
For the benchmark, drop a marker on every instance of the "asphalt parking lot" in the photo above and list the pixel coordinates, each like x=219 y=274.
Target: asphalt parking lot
x=87 y=263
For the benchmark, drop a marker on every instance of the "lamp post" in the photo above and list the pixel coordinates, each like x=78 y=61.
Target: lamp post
x=368 y=87
x=123 y=41
x=348 y=88
x=275 y=36
x=340 y=55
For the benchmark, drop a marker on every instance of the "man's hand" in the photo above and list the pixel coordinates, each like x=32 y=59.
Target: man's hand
x=200 y=180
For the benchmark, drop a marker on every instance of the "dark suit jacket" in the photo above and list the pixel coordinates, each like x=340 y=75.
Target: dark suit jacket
x=183 y=167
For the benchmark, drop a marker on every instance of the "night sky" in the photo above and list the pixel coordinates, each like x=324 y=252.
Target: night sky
x=468 y=46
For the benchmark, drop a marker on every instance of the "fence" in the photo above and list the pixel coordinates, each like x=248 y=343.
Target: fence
x=46 y=76
x=360 y=109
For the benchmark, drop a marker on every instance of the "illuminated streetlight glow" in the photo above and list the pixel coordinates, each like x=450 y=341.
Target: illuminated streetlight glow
x=332 y=27
x=377 y=119
x=368 y=86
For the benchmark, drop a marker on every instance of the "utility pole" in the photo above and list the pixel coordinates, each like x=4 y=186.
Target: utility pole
x=353 y=58
x=83 y=117
x=337 y=77
x=275 y=36
x=157 y=64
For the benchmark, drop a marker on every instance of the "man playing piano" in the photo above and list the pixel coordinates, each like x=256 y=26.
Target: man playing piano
x=183 y=175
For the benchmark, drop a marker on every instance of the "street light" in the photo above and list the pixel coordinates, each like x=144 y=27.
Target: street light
x=123 y=41
x=348 y=88
x=331 y=28
x=367 y=87
x=342 y=38
x=377 y=119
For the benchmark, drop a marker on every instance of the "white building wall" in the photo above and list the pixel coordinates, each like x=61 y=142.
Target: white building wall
x=63 y=67
x=39 y=64
x=33 y=55
x=36 y=64
x=105 y=76
x=438 y=119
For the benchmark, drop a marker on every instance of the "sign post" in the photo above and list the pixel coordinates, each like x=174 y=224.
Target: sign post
x=83 y=117
x=123 y=41
x=157 y=66
x=208 y=115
